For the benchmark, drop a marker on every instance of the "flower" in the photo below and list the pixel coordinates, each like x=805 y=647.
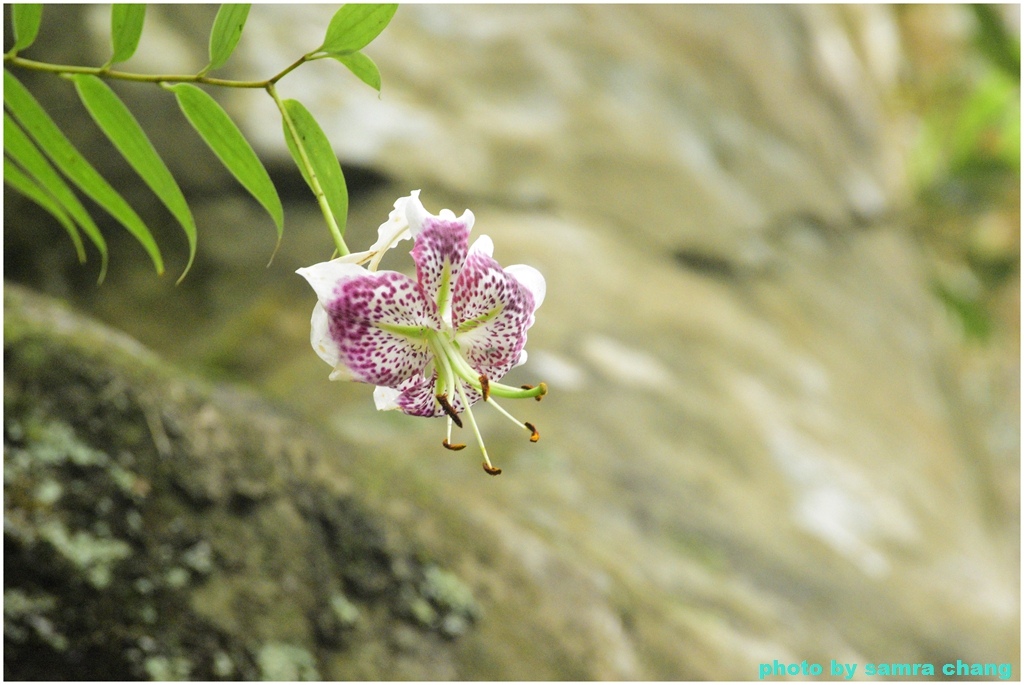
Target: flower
x=437 y=344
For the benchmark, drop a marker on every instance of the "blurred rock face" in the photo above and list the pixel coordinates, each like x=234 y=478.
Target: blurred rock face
x=756 y=445
x=677 y=126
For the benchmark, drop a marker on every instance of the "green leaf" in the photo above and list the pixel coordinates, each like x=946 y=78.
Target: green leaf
x=996 y=41
x=215 y=127
x=362 y=66
x=321 y=157
x=48 y=136
x=975 y=319
x=227 y=29
x=16 y=178
x=111 y=115
x=354 y=26
x=125 y=29
x=23 y=151
x=26 y=18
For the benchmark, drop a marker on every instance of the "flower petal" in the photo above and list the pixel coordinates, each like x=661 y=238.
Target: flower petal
x=389 y=234
x=375 y=323
x=385 y=398
x=483 y=244
x=491 y=310
x=359 y=257
x=440 y=250
x=416 y=215
x=324 y=345
x=325 y=276
x=320 y=337
x=532 y=279
x=416 y=397
x=394 y=230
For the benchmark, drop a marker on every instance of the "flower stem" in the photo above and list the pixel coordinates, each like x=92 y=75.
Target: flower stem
x=314 y=182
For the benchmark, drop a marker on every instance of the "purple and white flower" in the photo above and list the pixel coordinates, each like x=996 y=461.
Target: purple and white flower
x=436 y=344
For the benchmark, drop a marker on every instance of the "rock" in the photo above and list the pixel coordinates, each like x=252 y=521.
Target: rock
x=762 y=440
x=657 y=122
x=115 y=569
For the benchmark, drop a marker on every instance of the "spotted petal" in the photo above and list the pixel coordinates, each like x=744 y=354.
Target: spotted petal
x=416 y=397
x=491 y=311
x=373 y=325
x=441 y=246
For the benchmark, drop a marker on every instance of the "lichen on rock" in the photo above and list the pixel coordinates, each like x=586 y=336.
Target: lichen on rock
x=159 y=528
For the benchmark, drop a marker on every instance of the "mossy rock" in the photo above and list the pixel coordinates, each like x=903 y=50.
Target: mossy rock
x=157 y=527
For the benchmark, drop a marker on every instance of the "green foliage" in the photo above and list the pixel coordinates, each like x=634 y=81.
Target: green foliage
x=16 y=178
x=351 y=29
x=117 y=122
x=217 y=130
x=354 y=26
x=966 y=168
x=23 y=151
x=227 y=29
x=1000 y=46
x=73 y=165
x=125 y=30
x=26 y=19
x=313 y=153
x=38 y=156
x=975 y=320
x=362 y=66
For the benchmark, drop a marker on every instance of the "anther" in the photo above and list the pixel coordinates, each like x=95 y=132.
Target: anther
x=536 y=436
x=485 y=386
x=543 y=390
x=453 y=448
x=493 y=470
x=442 y=399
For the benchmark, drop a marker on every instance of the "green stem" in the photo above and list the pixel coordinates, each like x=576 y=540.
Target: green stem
x=106 y=72
x=294 y=65
x=314 y=182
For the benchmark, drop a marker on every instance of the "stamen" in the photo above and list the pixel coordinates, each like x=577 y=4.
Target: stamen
x=448 y=438
x=442 y=399
x=534 y=437
x=488 y=467
x=485 y=386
